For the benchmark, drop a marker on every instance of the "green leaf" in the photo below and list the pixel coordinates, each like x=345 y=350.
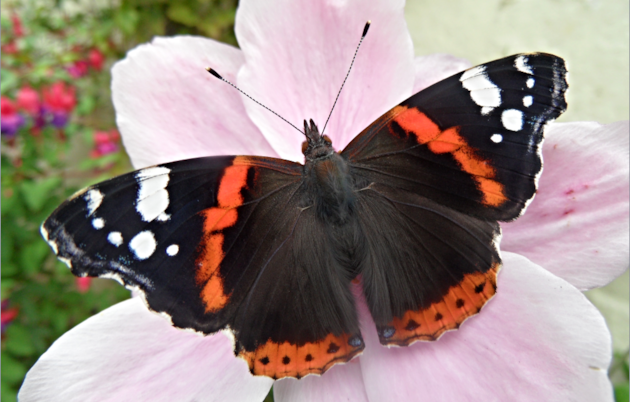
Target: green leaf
x=126 y=19
x=18 y=341
x=8 y=393
x=10 y=81
x=9 y=269
x=86 y=105
x=183 y=14
x=7 y=244
x=7 y=287
x=12 y=370
x=32 y=255
x=8 y=202
x=622 y=393
x=35 y=193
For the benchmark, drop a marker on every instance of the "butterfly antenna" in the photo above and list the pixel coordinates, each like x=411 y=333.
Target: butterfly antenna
x=213 y=72
x=365 y=31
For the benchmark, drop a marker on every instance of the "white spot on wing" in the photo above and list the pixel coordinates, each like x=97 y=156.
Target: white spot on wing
x=472 y=72
x=152 y=198
x=143 y=245
x=94 y=199
x=530 y=82
x=482 y=91
x=172 y=250
x=496 y=138
x=521 y=65
x=528 y=100
x=486 y=109
x=512 y=119
x=98 y=223
x=51 y=243
x=115 y=238
x=163 y=217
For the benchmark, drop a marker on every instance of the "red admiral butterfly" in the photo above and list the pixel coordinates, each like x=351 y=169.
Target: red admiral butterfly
x=268 y=248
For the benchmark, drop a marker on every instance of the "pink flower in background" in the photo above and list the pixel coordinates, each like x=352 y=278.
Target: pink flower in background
x=59 y=101
x=27 y=99
x=18 y=29
x=538 y=339
x=83 y=284
x=78 y=69
x=10 y=48
x=105 y=142
x=8 y=314
x=96 y=59
x=11 y=120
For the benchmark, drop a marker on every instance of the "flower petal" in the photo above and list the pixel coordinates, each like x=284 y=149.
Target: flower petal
x=577 y=226
x=127 y=353
x=169 y=108
x=297 y=54
x=436 y=67
x=538 y=339
x=343 y=382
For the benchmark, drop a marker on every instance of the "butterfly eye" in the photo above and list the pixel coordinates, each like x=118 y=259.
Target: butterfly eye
x=327 y=139
x=304 y=146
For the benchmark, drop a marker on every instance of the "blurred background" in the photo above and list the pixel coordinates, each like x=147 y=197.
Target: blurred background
x=59 y=132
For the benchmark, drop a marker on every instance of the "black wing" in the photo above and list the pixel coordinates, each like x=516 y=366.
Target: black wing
x=216 y=243
x=442 y=168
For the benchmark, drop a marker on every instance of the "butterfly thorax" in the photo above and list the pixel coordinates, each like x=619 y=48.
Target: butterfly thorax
x=328 y=176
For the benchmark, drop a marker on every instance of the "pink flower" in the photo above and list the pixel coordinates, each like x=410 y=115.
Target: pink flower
x=105 y=142
x=28 y=100
x=18 y=30
x=59 y=101
x=78 y=69
x=8 y=314
x=96 y=59
x=11 y=120
x=83 y=284
x=538 y=339
x=10 y=48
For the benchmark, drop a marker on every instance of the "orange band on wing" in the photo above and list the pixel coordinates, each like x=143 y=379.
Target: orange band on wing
x=289 y=360
x=224 y=215
x=427 y=132
x=414 y=121
x=462 y=301
x=233 y=181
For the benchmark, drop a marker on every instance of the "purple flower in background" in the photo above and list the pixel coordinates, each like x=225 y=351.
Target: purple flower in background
x=59 y=101
x=78 y=69
x=105 y=142
x=11 y=119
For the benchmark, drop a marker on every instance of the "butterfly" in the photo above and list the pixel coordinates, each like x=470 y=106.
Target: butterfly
x=268 y=250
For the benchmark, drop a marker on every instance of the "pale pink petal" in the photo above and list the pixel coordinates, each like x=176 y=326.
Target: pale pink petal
x=538 y=339
x=127 y=353
x=577 y=226
x=297 y=54
x=436 y=67
x=168 y=107
x=343 y=382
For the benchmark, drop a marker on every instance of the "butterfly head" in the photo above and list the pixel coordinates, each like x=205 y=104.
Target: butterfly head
x=316 y=145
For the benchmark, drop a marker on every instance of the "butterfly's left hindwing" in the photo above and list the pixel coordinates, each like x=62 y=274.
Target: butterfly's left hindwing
x=219 y=243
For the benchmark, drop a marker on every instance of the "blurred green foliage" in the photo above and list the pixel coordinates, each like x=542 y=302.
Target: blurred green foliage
x=64 y=139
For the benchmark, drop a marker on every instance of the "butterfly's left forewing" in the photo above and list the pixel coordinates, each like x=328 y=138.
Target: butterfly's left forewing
x=443 y=167
x=219 y=243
